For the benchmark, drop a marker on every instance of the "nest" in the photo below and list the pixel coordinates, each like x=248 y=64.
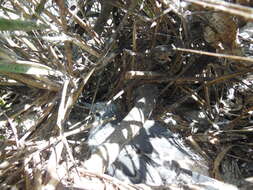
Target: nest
x=58 y=58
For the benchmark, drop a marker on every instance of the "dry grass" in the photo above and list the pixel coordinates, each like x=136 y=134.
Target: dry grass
x=55 y=59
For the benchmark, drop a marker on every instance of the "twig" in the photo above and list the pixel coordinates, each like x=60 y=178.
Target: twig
x=232 y=57
x=85 y=26
x=226 y=7
x=14 y=130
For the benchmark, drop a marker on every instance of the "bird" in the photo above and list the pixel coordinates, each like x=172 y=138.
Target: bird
x=156 y=156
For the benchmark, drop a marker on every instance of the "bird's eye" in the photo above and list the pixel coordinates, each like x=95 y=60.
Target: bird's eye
x=97 y=114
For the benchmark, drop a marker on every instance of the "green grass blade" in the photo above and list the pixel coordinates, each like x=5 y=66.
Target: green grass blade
x=11 y=25
x=27 y=68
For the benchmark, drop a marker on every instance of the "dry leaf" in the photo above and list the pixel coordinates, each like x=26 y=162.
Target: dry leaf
x=221 y=32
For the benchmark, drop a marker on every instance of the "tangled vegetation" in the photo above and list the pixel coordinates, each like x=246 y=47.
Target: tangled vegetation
x=59 y=57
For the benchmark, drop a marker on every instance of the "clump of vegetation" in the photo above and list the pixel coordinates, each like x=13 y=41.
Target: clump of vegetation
x=58 y=58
